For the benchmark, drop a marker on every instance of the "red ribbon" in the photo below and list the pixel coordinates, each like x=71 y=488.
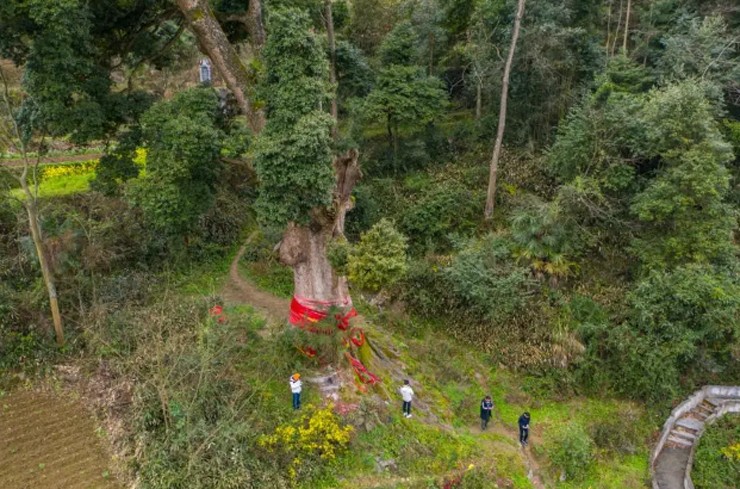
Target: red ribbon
x=365 y=376
x=303 y=315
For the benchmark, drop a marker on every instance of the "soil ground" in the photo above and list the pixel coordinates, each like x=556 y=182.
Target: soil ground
x=53 y=159
x=48 y=442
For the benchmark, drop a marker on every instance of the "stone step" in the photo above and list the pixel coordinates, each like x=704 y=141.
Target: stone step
x=685 y=435
x=702 y=414
x=714 y=402
x=690 y=424
x=680 y=442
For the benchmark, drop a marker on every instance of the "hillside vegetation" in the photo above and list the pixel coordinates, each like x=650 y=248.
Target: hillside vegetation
x=343 y=156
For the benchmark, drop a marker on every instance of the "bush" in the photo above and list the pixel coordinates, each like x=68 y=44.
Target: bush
x=717 y=461
x=316 y=436
x=618 y=434
x=379 y=260
x=195 y=417
x=442 y=209
x=571 y=450
x=487 y=281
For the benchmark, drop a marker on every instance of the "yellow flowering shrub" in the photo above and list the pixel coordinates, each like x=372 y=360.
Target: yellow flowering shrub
x=140 y=158
x=732 y=452
x=69 y=169
x=316 y=435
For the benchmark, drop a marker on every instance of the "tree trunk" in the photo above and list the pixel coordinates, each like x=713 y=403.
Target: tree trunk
x=478 y=99
x=332 y=62
x=31 y=205
x=491 y=194
x=33 y=224
x=304 y=248
x=213 y=42
x=616 y=32
x=254 y=24
x=626 y=27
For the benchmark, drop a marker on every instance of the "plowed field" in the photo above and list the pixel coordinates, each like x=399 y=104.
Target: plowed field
x=48 y=442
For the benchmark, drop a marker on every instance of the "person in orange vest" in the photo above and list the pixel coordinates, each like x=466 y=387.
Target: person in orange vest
x=295 y=388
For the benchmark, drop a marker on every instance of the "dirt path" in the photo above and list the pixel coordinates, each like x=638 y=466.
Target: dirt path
x=53 y=159
x=47 y=442
x=238 y=290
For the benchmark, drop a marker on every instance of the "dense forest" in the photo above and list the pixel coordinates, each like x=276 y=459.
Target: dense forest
x=532 y=199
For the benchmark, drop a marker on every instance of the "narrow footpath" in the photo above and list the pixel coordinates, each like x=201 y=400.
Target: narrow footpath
x=238 y=290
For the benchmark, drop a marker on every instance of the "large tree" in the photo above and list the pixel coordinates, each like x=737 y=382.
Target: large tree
x=299 y=186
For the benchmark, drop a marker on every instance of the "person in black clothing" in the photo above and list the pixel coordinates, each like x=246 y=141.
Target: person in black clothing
x=486 y=406
x=523 y=429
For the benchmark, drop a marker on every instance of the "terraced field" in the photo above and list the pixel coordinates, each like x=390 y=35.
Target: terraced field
x=50 y=443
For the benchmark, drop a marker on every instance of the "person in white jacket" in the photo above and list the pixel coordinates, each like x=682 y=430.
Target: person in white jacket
x=295 y=388
x=407 y=394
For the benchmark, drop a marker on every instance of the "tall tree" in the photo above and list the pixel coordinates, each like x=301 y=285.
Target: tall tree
x=27 y=178
x=491 y=194
x=214 y=42
x=403 y=94
x=303 y=188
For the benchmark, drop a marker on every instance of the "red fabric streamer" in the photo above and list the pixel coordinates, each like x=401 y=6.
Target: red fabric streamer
x=357 y=336
x=365 y=376
x=305 y=312
x=343 y=321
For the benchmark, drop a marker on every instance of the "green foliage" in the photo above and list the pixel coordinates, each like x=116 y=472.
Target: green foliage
x=117 y=166
x=692 y=310
x=398 y=46
x=402 y=95
x=293 y=153
x=702 y=48
x=717 y=459
x=378 y=261
x=183 y=142
x=545 y=239
x=618 y=434
x=486 y=281
x=66 y=48
x=688 y=220
x=316 y=435
x=338 y=252
x=441 y=211
x=571 y=450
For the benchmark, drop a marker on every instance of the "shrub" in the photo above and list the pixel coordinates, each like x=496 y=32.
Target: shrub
x=717 y=461
x=379 y=259
x=317 y=435
x=618 y=434
x=486 y=279
x=442 y=209
x=571 y=450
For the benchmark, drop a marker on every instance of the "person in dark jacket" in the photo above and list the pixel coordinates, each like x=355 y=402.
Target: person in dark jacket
x=486 y=407
x=523 y=429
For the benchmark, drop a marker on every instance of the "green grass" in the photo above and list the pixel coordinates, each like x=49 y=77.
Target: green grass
x=717 y=462
x=56 y=187
x=272 y=277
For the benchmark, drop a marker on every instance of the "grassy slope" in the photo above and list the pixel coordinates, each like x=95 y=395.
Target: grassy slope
x=451 y=379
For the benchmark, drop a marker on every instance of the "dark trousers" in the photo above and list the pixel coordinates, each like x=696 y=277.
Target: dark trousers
x=484 y=422
x=296 y=400
x=523 y=435
x=406 y=407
